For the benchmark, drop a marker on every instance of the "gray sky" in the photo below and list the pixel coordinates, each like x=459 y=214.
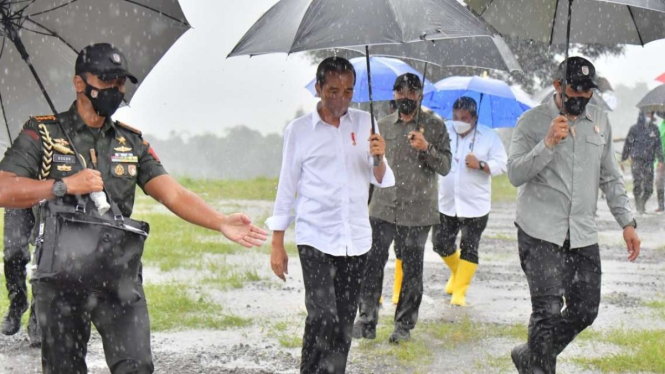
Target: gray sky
x=195 y=89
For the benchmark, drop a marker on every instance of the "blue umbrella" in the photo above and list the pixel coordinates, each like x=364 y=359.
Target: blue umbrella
x=499 y=105
x=384 y=73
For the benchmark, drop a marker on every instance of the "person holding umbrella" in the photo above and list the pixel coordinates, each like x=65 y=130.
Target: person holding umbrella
x=660 y=172
x=418 y=150
x=43 y=165
x=465 y=196
x=327 y=166
x=559 y=162
x=643 y=146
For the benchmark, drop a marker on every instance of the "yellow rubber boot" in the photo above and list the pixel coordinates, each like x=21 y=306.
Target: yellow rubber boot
x=463 y=277
x=452 y=261
x=397 y=285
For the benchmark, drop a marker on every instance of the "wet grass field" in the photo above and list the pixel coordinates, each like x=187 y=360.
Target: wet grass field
x=216 y=307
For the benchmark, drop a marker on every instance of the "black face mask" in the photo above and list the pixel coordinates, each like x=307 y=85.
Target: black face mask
x=104 y=101
x=406 y=106
x=576 y=105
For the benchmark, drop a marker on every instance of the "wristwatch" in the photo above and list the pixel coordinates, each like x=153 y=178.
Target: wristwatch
x=59 y=188
x=632 y=223
x=482 y=165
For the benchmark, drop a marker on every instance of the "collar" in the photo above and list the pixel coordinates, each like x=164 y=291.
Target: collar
x=554 y=110
x=316 y=118
x=398 y=119
x=77 y=122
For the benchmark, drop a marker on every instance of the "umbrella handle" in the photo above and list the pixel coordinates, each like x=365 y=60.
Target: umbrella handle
x=377 y=159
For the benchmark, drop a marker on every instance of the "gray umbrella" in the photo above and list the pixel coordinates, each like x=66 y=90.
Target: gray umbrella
x=486 y=52
x=48 y=35
x=304 y=25
x=654 y=100
x=578 y=21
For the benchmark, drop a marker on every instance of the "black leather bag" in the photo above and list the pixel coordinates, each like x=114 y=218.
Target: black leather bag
x=78 y=248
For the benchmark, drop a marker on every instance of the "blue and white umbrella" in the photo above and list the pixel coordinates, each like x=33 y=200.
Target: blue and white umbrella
x=499 y=105
x=384 y=73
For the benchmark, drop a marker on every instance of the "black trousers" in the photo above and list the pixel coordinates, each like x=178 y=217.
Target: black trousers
x=555 y=272
x=332 y=288
x=660 y=189
x=65 y=317
x=410 y=245
x=18 y=226
x=642 y=182
x=444 y=236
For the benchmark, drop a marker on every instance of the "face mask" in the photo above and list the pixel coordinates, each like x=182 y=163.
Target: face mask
x=576 y=105
x=461 y=127
x=104 y=101
x=406 y=106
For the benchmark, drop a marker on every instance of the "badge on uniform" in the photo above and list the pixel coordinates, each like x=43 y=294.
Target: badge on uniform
x=122 y=149
x=119 y=170
x=596 y=129
x=64 y=168
x=125 y=157
x=131 y=169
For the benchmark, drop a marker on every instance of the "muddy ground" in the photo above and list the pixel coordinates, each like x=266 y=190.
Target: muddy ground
x=498 y=295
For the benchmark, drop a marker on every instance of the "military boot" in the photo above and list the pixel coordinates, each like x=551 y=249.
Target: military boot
x=18 y=296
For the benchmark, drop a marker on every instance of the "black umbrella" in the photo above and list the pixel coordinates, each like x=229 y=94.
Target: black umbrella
x=304 y=25
x=591 y=21
x=654 y=100
x=39 y=42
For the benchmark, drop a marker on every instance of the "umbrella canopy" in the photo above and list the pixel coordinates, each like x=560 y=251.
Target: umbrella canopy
x=499 y=105
x=661 y=78
x=304 y=25
x=654 y=100
x=592 y=21
x=52 y=32
x=384 y=73
x=486 y=52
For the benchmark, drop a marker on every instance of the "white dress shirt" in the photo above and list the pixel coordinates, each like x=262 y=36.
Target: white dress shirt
x=467 y=192
x=326 y=174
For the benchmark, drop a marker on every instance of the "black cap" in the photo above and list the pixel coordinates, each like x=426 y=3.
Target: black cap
x=581 y=74
x=408 y=80
x=104 y=61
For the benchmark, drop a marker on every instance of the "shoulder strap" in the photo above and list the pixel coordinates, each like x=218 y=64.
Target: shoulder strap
x=127 y=127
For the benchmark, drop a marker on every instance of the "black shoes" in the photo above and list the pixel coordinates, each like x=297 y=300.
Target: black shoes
x=363 y=331
x=12 y=321
x=522 y=359
x=400 y=335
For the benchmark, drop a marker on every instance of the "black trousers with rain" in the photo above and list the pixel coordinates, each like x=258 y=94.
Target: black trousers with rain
x=410 y=246
x=642 y=182
x=18 y=225
x=554 y=273
x=65 y=317
x=660 y=189
x=332 y=288
x=444 y=236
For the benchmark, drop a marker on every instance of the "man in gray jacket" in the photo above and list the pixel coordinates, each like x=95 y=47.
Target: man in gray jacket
x=418 y=150
x=559 y=161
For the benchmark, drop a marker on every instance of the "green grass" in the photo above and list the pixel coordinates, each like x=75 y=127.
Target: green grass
x=174 y=307
x=502 y=190
x=288 y=333
x=174 y=243
x=414 y=353
x=641 y=351
x=251 y=189
x=658 y=305
x=225 y=277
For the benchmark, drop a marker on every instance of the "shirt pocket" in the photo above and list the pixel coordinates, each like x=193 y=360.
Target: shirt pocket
x=62 y=166
x=123 y=178
x=595 y=144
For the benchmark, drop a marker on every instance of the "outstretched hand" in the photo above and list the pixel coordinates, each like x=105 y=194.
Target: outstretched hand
x=238 y=228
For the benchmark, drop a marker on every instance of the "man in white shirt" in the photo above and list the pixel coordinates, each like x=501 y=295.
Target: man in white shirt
x=327 y=168
x=465 y=195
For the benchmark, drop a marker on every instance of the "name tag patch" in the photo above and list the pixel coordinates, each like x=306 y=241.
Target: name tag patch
x=125 y=157
x=64 y=159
